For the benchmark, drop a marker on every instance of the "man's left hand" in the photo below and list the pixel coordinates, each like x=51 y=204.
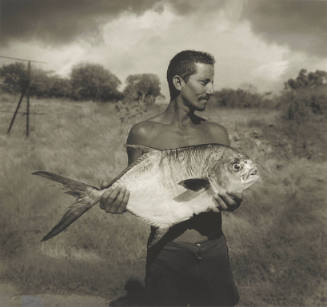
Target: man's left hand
x=228 y=201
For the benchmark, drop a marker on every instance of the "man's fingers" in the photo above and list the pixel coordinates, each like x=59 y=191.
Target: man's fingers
x=237 y=198
x=229 y=201
x=107 y=198
x=232 y=201
x=110 y=195
x=220 y=203
x=125 y=201
x=118 y=206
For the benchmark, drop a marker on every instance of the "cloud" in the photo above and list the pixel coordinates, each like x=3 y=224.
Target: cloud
x=141 y=36
x=195 y=7
x=58 y=22
x=299 y=24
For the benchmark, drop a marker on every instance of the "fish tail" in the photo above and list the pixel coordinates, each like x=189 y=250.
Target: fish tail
x=87 y=196
x=71 y=215
x=72 y=187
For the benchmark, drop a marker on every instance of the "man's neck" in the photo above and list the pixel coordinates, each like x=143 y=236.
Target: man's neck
x=180 y=115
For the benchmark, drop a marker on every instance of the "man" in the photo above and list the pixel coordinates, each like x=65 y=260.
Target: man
x=190 y=264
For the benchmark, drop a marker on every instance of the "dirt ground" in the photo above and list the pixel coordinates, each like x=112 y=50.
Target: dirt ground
x=10 y=297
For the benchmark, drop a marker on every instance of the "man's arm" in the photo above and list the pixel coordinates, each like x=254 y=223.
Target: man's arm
x=225 y=201
x=115 y=200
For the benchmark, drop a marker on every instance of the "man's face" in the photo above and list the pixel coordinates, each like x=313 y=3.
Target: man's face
x=199 y=87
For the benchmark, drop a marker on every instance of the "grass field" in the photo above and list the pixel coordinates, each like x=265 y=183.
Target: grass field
x=277 y=238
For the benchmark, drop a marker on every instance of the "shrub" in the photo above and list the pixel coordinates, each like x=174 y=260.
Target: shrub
x=303 y=103
x=42 y=83
x=143 y=88
x=93 y=82
x=61 y=88
x=307 y=80
x=240 y=98
x=14 y=77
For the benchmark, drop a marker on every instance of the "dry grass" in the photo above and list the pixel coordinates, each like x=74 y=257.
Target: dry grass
x=277 y=238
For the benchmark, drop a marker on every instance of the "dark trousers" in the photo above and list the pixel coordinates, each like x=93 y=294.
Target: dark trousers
x=183 y=274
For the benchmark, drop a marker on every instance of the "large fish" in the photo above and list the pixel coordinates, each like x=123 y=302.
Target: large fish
x=167 y=186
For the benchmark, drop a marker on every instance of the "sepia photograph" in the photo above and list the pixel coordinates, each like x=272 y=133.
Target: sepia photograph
x=163 y=153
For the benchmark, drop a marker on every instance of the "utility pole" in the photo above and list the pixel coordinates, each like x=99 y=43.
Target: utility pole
x=25 y=92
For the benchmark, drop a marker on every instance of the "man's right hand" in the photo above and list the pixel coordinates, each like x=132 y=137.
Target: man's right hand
x=114 y=200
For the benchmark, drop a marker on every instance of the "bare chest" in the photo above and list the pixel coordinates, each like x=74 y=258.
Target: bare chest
x=167 y=138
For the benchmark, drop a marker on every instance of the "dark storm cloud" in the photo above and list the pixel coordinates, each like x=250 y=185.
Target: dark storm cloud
x=299 y=24
x=58 y=22
x=61 y=21
x=195 y=7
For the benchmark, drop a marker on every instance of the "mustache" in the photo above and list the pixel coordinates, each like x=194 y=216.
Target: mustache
x=207 y=96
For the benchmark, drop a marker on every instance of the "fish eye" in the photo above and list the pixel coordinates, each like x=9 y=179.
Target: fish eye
x=236 y=166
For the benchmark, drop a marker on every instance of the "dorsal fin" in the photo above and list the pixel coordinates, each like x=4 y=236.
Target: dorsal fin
x=141 y=147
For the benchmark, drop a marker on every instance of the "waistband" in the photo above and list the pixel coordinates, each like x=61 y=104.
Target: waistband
x=202 y=243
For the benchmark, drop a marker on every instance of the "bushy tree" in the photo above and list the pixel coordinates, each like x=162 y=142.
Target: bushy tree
x=240 y=98
x=40 y=84
x=304 y=96
x=60 y=88
x=14 y=77
x=307 y=80
x=94 y=82
x=143 y=88
x=45 y=84
x=303 y=103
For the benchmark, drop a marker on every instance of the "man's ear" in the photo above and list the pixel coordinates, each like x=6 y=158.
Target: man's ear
x=178 y=82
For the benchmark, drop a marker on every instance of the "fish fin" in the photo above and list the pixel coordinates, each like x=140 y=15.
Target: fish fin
x=158 y=235
x=187 y=195
x=73 y=213
x=87 y=196
x=73 y=187
x=144 y=148
x=195 y=184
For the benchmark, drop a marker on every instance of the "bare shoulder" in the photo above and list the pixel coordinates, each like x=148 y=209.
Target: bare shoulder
x=217 y=132
x=143 y=132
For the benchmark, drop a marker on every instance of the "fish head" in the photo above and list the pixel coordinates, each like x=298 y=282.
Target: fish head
x=233 y=172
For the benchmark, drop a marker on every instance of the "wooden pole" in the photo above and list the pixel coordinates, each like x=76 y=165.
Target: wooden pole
x=25 y=90
x=28 y=99
x=18 y=105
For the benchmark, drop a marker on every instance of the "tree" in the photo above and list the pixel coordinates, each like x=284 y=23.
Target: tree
x=92 y=81
x=307 y=80
x=240 y=98
x=14 y=77
x=61 y=88
x=143 y=88
x=304 y=96
x=40 y=84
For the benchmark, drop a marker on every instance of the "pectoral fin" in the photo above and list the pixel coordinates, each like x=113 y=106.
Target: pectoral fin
x=194 y=187
x=195 y=184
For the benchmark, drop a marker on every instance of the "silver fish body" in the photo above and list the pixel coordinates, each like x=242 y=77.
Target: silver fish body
x=167 y=186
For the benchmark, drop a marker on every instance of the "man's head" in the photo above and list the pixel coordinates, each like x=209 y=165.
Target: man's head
x=183 y=65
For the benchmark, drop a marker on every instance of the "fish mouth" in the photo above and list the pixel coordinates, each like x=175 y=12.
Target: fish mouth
x=251 y=176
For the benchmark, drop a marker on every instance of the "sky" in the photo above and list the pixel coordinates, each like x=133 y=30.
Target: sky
x=255 y=42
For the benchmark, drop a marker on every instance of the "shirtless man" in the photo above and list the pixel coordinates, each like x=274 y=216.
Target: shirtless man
x=189 y=265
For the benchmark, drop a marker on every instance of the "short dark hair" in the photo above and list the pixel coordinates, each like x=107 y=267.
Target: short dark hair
x=183 y=64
